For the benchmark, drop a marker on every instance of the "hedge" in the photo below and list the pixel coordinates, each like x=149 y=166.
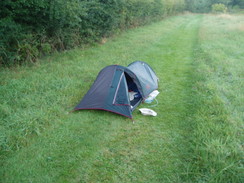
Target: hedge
x=33 y=28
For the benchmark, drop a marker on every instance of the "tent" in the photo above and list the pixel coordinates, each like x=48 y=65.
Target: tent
x=146 y=76
x=112 y=88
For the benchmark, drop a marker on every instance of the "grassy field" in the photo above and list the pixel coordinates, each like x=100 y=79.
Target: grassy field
x=196 y=137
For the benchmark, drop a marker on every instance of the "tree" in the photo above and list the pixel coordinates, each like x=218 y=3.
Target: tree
x=199 y=6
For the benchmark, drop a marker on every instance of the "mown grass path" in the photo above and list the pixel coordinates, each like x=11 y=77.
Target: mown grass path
x=42 y=142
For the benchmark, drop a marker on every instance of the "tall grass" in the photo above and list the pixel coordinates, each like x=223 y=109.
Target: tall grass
x=218 y=120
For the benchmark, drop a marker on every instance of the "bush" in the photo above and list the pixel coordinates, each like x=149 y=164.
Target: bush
x=10 y=35
x=219 y=8
x=199 y=6
x=29 y=29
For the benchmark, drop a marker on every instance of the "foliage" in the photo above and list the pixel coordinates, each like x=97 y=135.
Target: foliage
x=198 y=6
x=238 y=3
x=26 y=26
x=219 y=8
x=204 y=6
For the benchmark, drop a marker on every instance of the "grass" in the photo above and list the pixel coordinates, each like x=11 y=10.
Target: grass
x=220 y=115
x=196 y=137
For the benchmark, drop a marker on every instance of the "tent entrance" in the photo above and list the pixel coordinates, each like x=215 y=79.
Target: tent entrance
x=136 y=99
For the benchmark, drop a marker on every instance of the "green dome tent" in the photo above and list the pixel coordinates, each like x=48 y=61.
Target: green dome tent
x=110 y=91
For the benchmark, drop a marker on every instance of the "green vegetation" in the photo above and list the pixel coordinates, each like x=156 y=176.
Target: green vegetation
x=30 y=29
x=219 y=8
x=196 y=137
x=35 y=28
x=219 y=88
x=204 y=6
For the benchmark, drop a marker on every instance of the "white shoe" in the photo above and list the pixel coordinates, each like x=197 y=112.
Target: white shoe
x=147 y=112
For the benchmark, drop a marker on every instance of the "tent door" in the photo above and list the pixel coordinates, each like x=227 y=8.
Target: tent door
x=132 y=87
x=121 y=94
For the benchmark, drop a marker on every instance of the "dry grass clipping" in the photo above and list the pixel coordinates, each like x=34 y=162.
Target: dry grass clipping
x=225 y=16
